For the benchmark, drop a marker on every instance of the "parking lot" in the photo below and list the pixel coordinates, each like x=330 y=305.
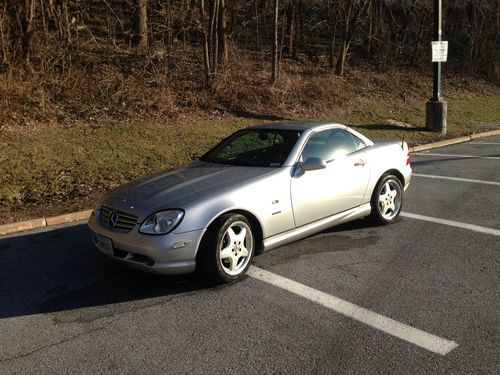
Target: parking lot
x=418 y=296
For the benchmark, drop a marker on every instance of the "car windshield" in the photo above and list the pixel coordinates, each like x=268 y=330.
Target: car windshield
x=254 y=147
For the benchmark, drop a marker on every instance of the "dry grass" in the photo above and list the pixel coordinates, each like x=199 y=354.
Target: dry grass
x=103 y=85
x=72 y=132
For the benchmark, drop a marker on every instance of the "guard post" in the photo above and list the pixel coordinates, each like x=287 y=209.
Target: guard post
x=436 y=108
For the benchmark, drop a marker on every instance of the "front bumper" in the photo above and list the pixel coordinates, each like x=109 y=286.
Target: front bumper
x=164 y=254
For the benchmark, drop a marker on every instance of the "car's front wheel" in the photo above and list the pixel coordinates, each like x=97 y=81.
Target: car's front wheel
x=387 y=200
x=227 y=249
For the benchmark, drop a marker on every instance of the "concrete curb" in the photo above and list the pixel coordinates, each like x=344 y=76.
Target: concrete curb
x=453 y=141
x=67 y=218
x=22 y=226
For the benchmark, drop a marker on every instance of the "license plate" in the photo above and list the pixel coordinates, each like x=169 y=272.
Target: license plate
x=104 y=244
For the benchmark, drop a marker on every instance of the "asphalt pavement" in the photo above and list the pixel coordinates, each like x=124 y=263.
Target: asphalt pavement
x=415 y=297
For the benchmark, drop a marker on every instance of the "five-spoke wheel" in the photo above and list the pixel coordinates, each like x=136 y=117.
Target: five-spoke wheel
x=233 y=248
x=387 y=199
x=227 y=249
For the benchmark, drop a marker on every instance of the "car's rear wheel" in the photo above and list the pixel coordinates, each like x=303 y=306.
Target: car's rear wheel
x=227 y=249
x=387 y=200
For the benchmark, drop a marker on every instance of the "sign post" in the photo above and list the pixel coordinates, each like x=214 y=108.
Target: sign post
x=436 y=108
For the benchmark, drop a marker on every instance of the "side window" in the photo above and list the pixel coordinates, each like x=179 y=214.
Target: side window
x=330 y=144
x=358 y=142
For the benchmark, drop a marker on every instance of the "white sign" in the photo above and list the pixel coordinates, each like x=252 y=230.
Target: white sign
x=439 y=51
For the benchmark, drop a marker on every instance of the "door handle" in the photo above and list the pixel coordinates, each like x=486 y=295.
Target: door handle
x=360 y=163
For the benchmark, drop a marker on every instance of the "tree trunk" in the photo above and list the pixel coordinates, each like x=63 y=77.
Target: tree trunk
x=350 y=24
x=223 y=31
x=331 y=56
x=206 y=55
x=369 y=43
x=19 y=29
x=214 y=34
x=141 y=24
x=4 y=33
x=339 y=69
x=274 y=52
x=257 y=38
x=332 y=20
x=290 y=27
x=300 y=35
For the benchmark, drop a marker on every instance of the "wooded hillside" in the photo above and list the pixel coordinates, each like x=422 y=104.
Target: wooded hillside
x=149 y=54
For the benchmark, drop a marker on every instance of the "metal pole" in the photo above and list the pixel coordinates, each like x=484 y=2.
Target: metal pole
x=436 y=108
x=438 y=32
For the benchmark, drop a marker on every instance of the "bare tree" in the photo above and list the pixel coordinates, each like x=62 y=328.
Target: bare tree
x=61 y=11
x=141 y=23
x=274 y=49
x=206 y=52
x=17 y=29
x=224 y=50
x=351 y=14
x=213 y=34
x=290 y=27
x=386 y=31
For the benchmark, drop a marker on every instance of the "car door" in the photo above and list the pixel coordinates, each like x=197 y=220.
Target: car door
x=339 y=186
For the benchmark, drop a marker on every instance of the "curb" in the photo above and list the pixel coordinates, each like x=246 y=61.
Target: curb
x=22 y=226
x=453 y=141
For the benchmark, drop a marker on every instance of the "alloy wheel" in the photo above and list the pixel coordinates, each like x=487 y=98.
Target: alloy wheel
x=236 y=248
x=389 y=200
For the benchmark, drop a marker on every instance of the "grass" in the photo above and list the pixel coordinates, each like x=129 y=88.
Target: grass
x=51 y=170
x=57 y=169
x=465 y=116
x=70 y=135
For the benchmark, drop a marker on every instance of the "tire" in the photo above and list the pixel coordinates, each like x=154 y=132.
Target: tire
x=387 y=200
x=227 y=249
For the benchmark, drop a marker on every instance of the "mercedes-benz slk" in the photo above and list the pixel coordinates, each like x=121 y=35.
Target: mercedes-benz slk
x=260 y=188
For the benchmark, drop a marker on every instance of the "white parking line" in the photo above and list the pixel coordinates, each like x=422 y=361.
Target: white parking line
x=456 y=156
x=412 y=335
x=484 y=143
x=451 y=223
x=456 y=179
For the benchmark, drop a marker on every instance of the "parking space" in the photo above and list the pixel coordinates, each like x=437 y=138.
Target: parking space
x=464 y=188
x=478 y=160
x=413 y=297
x=465 y=202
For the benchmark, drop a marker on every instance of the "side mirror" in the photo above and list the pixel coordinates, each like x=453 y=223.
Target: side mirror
x=312 y=164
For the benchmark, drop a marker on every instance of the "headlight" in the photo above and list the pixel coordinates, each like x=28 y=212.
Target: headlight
x=162 y=222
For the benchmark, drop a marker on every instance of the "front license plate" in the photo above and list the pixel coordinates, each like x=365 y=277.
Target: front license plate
x=104 y=244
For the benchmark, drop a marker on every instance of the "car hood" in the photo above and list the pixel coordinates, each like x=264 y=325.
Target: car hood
x=179 y=187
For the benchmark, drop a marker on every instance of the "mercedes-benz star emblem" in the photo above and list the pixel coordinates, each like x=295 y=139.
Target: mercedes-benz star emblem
x=113 y=219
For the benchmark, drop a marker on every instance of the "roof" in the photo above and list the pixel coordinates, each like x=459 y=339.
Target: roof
x=298 y=125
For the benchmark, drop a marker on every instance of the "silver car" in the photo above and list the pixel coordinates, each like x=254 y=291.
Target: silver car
x=260 y=188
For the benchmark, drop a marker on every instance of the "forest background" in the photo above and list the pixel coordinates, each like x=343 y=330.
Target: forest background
x=94 y=93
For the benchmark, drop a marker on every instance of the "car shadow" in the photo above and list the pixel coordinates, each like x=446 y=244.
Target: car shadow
x=258 y=116
x=388 y=127
x=352 y=226
x=60 y=270
x=439 y=159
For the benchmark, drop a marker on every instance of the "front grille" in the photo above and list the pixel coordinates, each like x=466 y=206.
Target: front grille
x=124 y=222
